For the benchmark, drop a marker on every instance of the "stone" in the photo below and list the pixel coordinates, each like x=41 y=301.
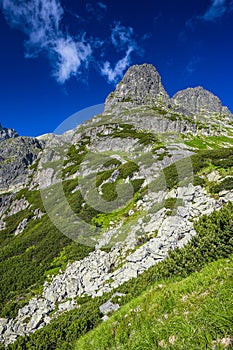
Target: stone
x=105 y=318
x=108 y=307
x=3 y=324
x=21 y=227
x=213 y=176
x=7 y=133
x=67 y=305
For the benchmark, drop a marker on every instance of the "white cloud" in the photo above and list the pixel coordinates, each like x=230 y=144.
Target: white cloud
x=38 y=19
x=115 y=73
x=41 y=20
x=71 y=54
x=216 y=10
x=121 y=36
x=122 y=39
x=42 y=23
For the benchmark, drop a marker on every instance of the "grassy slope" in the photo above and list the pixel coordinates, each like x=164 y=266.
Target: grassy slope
x=189 y=314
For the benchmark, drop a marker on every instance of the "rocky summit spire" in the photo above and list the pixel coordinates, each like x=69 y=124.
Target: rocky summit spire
x=6 y=133
x=141 y=85
x=199 y=101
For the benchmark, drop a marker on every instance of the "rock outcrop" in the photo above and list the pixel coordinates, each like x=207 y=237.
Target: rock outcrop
x=199 y=101
x=6 y=133
x=141 y=85
x=16 y=155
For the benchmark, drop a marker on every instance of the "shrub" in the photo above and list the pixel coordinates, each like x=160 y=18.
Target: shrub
x=109 y=191
x=127 y=169
x=102 y=176
x=172 y=203
x=112 y=162
x=226 y=184
x=137 y=184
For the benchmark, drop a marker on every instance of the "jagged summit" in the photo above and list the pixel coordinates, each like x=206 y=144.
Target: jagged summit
x=6 y=133
x=198 y=100
x=141 y=85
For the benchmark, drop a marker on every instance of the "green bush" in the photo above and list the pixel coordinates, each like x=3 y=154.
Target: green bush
x=75 y=156
x=109 y=191
x=143 y=137
x=102 y=176
x=127 y=169
x=137 y=184
x=112 y=162
x=188 y=168
x=25 y=259
x=226 y=184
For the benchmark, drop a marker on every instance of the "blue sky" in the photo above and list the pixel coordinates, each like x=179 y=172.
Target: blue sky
x=61 y=56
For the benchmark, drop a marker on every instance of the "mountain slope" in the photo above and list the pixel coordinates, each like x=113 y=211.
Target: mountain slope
x=180 y=315
x=84 y=213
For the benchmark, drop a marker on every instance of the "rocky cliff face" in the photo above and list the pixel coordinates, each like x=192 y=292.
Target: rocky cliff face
x=140 y=99
x=16 y=155
x=198 y=101
x=6 y=133
x=141 y=85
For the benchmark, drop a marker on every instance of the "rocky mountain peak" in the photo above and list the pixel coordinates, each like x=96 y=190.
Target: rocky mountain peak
x=6 y=133
x=198 y=101
x=141 y=85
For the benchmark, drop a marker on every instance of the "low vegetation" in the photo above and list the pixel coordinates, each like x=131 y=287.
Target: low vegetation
x=213 y=242
x=169 y=315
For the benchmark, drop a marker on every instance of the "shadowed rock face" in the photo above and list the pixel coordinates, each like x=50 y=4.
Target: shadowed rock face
x=199 y=101
x=141 y=85
x=16 y=155
x=6 y=133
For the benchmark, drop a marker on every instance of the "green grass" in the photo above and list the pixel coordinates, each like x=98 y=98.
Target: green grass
x=188 y=314
x=202 y=142
x=127 y=130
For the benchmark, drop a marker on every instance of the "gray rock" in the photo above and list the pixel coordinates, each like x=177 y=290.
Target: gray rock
x=198 y=101
x=67 y=306
x=17 y=206
x=108 y=307
x=3 y=323
x=6 y=133
x=141 y=85
x=21 y=227
x=16 y=155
